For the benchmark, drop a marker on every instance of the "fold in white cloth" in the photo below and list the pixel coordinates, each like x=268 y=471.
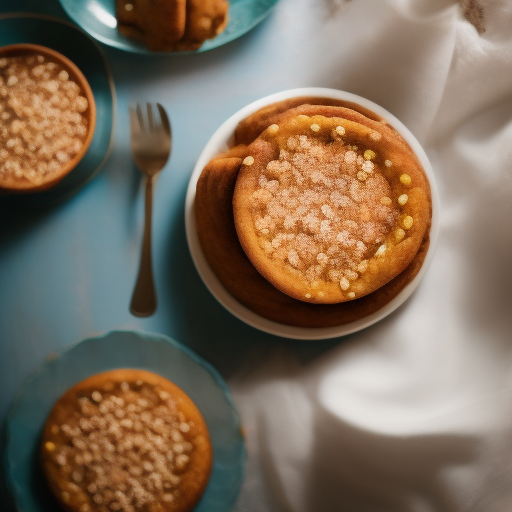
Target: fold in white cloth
x=415 y=413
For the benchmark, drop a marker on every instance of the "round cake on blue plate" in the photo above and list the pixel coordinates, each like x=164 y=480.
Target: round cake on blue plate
x=126 y=440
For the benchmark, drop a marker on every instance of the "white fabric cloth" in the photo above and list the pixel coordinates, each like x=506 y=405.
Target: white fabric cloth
x=415 y=413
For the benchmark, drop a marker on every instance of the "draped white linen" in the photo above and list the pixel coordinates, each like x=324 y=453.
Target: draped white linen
x=415 y=413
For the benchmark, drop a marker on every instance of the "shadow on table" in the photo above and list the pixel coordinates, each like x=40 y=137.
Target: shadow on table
x=37 y=484
x=16 y=223
x=5 y=497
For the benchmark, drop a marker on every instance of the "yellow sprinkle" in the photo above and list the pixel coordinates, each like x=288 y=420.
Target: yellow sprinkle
x=351 y=295
x=315 y=127
x=386 y=201
x=50 y=446
x=308 y=295
x=405 y=179
x=361 y=175
x=273 y=128
x=340 y=130
x=388 y=163
x=302 y=116
x=248 y=160
x=403 y=199
x=369 y=154
x=399 y=234
x=408 y=221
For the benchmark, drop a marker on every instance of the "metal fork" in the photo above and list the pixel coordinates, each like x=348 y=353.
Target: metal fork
x=151 y=143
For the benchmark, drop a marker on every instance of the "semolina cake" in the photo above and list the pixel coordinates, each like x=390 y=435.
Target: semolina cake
x=322 y=212
x=126 y=440
x=318 y=216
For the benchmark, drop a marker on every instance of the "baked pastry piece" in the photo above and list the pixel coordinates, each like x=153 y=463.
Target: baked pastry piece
x=126 y=440
x=328 y=209
x=172 y=25
x=237 y=272
x=205 y=20
x=159 y=23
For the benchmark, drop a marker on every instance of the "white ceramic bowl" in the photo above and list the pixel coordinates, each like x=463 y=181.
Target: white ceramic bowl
x=222 y=140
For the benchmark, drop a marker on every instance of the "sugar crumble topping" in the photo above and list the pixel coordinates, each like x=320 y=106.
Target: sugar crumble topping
x=42 y=126
x=125 y=449
x=324 y=209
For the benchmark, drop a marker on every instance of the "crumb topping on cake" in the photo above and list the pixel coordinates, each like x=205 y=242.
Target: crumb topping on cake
x=124 y=449
x=323 y=209
x=328 y=209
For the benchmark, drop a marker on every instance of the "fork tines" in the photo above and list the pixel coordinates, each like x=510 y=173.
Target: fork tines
x=138 y=123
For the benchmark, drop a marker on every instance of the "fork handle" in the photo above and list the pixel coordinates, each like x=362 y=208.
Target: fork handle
x=144 y=296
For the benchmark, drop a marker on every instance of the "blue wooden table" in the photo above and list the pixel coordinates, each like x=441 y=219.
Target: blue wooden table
x=67 y=272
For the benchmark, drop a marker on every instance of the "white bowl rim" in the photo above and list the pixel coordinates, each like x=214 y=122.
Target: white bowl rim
x=222 y=140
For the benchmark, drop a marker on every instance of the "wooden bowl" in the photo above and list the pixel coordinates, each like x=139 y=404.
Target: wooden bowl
x=24 y=185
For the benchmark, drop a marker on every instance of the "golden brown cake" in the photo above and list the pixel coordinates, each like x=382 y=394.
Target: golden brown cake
x=329 y=210
x=126 y=440
x=172 y=25
x=364 y=276
x=47 y=117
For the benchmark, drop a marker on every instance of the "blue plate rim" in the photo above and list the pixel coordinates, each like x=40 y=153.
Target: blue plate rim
x=111 y=83
x=144 y=51
x=196 y=358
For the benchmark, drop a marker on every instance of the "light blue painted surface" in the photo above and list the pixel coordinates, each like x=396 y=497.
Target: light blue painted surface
x=67 y=273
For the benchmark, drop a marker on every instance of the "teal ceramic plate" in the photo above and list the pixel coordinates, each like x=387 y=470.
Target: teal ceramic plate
x=118 y=349
x=87 y=55
x=98 y=18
